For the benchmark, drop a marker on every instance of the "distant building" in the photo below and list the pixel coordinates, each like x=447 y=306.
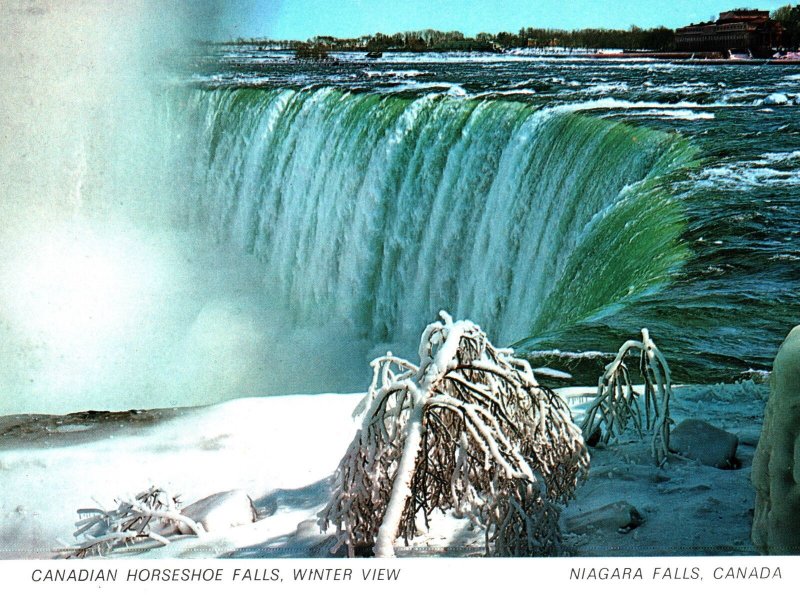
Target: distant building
x=736 y=30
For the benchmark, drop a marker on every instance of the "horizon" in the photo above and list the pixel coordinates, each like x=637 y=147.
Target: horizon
x=303 y=19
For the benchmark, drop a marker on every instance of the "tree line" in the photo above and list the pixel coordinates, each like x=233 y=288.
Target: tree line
x=429 y=40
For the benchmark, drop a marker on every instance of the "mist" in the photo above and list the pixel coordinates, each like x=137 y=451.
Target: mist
x=110 y=299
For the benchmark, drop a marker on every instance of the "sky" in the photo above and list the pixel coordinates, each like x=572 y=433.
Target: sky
x=302 y=19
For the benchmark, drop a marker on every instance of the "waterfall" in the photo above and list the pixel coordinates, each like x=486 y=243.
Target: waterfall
x=383 y=209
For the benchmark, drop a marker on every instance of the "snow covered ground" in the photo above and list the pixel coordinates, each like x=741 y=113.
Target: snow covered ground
x=282 y=450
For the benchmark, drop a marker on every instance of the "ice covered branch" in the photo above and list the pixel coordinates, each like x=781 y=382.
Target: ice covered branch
x=135 y=520
x=469 y=430
x=618 y=405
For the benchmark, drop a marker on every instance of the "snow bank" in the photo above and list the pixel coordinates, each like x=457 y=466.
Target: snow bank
x=282 y=450
x=264 y=446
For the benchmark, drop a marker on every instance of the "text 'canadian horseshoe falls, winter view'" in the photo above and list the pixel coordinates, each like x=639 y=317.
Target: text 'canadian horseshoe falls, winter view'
x=512 y=294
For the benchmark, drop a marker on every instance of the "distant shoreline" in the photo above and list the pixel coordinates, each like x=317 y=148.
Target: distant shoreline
x=565 y=53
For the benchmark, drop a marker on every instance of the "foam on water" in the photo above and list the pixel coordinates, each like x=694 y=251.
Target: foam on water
x=747 y=175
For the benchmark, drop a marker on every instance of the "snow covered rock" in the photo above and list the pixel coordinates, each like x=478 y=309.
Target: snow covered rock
x=776 y=465
x=618 y=516
x=221 y=511
x=707 y=444
x=308 y=528
x=776 y=99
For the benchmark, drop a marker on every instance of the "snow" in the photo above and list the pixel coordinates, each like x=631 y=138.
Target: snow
x=552 y=373
x=263 y=446
x=282 y=450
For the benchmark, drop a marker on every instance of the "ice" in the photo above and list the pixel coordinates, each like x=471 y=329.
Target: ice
x=281 y=450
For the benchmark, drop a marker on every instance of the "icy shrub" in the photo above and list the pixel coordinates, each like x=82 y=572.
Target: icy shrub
x=468 y=430
x=144 y=521
x=776 y=465
x=617 y=404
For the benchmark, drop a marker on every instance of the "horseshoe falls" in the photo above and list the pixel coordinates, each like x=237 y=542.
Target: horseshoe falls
x=250 y=225
x=382 y=209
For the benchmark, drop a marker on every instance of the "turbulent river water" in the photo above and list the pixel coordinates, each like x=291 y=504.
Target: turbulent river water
x=561 y=203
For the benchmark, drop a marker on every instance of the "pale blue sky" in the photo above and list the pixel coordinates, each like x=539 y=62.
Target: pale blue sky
x=301 y=19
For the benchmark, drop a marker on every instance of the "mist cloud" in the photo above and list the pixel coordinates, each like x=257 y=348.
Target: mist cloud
x=109 y=298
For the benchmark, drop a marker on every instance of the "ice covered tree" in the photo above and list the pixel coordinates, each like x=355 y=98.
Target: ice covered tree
x=468 y=430
x=618 y=405
x=776 y=464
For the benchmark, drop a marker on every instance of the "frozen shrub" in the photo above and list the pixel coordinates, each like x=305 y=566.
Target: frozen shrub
x=618 y=405
x=468 y=430
x=776 y=465
x=143 y=521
